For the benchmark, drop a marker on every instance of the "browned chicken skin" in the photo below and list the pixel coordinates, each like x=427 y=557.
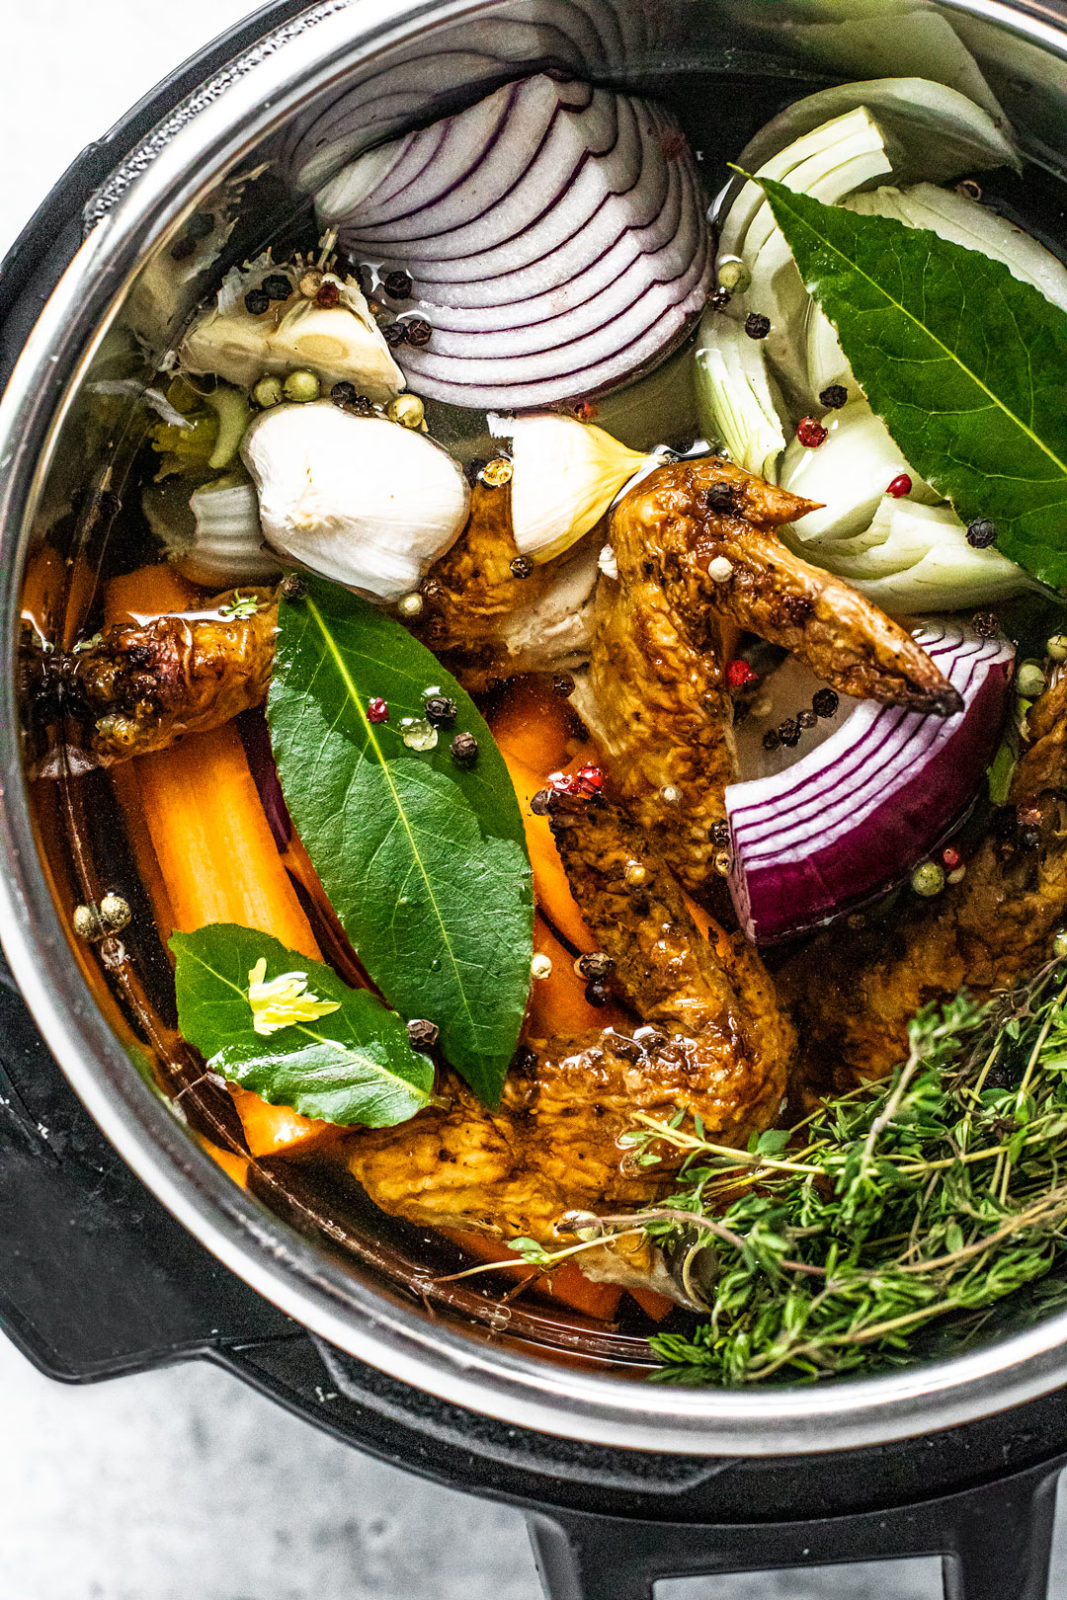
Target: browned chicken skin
x=144 y=684
x=656 y=694
x=853 y=998
x=714 y=1042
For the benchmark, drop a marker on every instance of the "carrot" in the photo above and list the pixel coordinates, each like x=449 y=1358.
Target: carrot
x=656 y=1306
x=42 y=589
x=551 y=887
x=567 y=1283
x=557 y=1003
x=234 y=1165
x=148 y=592
x=533 y=725
x=194 y=811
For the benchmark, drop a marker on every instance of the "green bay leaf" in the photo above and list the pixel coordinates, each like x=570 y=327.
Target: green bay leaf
x=966 y=366
x=425 y=862
x=354 y=1066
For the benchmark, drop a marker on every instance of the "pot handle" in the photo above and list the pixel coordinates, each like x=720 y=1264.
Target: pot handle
x=96 y=1278
x=994 y=1542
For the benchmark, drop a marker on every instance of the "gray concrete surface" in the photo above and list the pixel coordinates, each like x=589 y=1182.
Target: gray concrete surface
x=182 y=1485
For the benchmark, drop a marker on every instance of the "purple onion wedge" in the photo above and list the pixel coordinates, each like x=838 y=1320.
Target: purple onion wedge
x=858 y=813
x=556 y=236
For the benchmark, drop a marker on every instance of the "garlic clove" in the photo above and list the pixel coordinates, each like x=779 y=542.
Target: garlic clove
x=341 y=343
x=565 y=475
x=360 y=500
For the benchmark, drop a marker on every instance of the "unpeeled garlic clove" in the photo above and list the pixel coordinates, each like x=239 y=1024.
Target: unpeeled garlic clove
x=565 y=475
x=356 y=499
x=227 y=545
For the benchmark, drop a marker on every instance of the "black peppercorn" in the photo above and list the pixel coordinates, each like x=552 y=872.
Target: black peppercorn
x=757 y=326
x=422 y=1034
x=834 y=397
x=595 y=966
x=200 y=225
x=440 y=710
x=720 y=497
x=789 y=732
x=563 y=684
x=771 y=740
x=824 y=702
x=719 y=299
x=521 y=567
x=292 y=587
x=256 y=302
x=806 y=719
x=398 y=285
x=277 y=287
x=464 y=749
x=597 y=993
x=419 y=331
x=719 y=832
x=1029 y=838
x=985 y=624
x=182 y=248
x=541 y=804
x=981 y=533
x=348 y=397
x=395 y=333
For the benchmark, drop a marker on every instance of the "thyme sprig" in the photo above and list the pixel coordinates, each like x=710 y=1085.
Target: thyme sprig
x=922 y=1200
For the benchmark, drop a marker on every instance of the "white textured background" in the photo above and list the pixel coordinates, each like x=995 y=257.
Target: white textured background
x=182 y=1485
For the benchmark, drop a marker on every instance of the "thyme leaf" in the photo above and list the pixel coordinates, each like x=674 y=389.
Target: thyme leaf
x=899 y=1212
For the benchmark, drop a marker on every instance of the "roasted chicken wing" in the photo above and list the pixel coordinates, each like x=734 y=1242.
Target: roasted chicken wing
x=141 y=685
x=695 y=543
x=853 y=997
x=713 y=1042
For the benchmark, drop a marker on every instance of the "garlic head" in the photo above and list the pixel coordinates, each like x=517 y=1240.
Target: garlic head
x=341 y=343
x=565 y=475
x=360 y=500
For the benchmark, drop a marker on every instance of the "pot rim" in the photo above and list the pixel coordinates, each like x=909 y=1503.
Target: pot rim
x=274 y=1259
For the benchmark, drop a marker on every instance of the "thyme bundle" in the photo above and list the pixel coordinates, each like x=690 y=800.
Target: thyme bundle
x=922 y=1200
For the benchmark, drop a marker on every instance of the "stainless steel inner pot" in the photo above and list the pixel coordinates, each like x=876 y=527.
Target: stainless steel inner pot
x=404 y=60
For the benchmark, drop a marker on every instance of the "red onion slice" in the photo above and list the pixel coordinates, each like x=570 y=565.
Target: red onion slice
x=857 y=814
x=425 y=78
x=556 y=236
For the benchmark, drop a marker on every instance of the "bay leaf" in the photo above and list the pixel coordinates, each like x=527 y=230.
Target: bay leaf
x=966 y=366
x=424 y=860
x=354 y=1066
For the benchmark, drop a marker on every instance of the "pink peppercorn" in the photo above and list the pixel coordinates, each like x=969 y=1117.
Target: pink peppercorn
x=900 y=486
x=739 y=674
x=377 y=711
x=811 y=432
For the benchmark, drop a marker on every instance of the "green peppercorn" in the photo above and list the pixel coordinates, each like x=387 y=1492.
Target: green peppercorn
x=302 y=387
x=268 y=392
x=1030 y=681
x=928 y=879
x=1057 y=647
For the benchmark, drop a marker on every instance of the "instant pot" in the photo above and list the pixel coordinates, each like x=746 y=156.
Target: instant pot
x=123 y=1245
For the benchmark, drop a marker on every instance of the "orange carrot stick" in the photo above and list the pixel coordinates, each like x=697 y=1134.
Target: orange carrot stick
x=147 y=592
x=552 y=891
x=534 y=726
x=557 y=1003
x=195 y=809
x=566 y=1283
x=656 y=1306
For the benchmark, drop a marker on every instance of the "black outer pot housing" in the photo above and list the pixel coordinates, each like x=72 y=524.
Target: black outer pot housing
x=97 y=1280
